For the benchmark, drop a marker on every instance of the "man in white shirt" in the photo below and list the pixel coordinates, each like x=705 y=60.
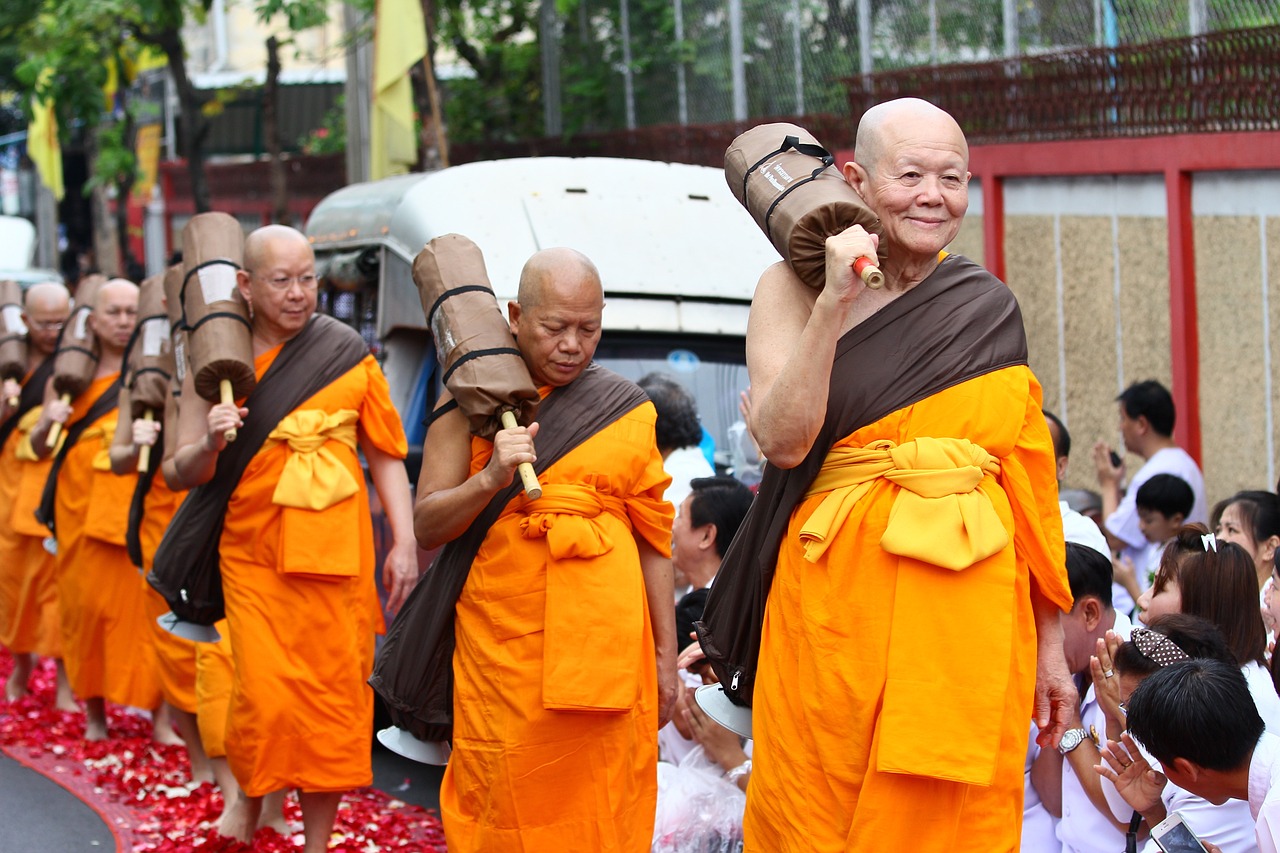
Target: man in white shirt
x=1146 y=425
x=1198 y=719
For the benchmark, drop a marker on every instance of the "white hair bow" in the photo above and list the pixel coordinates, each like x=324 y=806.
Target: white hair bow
x=1210 y=542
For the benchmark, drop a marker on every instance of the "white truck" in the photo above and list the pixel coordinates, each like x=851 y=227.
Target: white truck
x=678 y=256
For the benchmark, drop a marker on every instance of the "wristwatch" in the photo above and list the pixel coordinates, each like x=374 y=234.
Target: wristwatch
x=1072 y=738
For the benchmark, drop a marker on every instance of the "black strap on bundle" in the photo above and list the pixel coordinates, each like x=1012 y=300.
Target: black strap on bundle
x=791 y=143
x=182 y=296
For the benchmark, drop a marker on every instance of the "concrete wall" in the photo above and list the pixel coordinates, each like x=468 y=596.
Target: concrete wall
x=1088 y=261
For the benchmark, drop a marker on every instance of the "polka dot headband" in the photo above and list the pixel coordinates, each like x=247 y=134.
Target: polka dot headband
x=1157 y=647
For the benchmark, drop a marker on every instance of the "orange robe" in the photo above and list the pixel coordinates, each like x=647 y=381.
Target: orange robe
x=863 y=741
x=106 y=641
x=175 y=657
x=28 y=596
x=555 y=688
x=302 y=607
x=215 y=674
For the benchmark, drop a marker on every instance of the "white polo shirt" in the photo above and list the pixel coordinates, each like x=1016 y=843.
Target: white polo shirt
x=1264 y=792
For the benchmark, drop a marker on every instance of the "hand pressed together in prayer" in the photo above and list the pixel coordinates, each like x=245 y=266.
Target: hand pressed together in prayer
x=221 y=419
x=511 y=447
x=1133 y=777
x=694 y=660
x=145 y=432
x=1106 y=682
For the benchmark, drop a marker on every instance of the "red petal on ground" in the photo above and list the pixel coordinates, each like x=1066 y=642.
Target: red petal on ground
x=140 y=788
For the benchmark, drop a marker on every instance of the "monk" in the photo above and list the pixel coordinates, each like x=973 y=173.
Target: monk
x=191 y=674
x=296 y=549
x=911 y=626
x=28 y=598
x=103 y=618
x=564 y=667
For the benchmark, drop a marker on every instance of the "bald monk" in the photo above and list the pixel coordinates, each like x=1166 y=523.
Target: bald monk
x=911 y=626
x=103 y=617
x=28 y=598
x=564 y=666
x=297 y=560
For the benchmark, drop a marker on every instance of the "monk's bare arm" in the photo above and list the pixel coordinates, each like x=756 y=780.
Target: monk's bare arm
x=54 y=411
x=400 y=571
x=659 y=591
x=202 y=428
x=791 y=343
x=449 y=499
x=123 y=452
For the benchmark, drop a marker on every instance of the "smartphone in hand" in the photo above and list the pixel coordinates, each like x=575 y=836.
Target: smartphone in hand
x=1174 y=836
x=1115 y=459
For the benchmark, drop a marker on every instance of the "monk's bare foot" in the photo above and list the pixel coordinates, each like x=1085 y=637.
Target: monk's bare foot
x=272 y=815
x=240 y=819
x=95 y=719
x=16 y=687
x=162 y=731
x=66 y=700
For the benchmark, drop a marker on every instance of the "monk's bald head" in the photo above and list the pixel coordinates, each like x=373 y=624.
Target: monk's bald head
x=263 y=244
x=556 y=317
x=904 y=121
x=115 y=313
x=549 y=267
x=45 y=307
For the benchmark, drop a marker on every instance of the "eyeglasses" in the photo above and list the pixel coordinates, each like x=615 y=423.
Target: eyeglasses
x=307 y=281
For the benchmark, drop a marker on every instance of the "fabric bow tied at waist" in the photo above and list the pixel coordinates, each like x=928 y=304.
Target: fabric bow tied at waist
x=314 y=477
x=566 y=516
x=939 y=515
x=104 y=432
x=581 y=568
x=24 y=451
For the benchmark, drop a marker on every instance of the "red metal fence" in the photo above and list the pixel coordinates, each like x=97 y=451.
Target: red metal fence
x=1226 y=81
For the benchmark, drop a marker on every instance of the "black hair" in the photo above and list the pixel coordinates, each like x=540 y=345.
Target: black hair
x=1152 y=401
x=1198 y=710
x=678 y=425
x=1166 y=494
x=1061 y=439
x=1259 y=509
x=722 y=501
x=1195 y=635
x=1089 y=573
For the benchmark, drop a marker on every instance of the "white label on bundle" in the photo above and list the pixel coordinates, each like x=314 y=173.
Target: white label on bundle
x=154 y=335
x=13 y=320
x=217 y=283
x=180 y=360
x=78 y=331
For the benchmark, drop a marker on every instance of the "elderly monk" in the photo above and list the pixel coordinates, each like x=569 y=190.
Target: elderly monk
x=911 y=625
x=564 y=663
x=28 y=598
x=105 y=641
x=296 y=549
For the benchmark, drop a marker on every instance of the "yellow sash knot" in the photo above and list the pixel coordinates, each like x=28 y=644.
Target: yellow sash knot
x=24 y=451
x=939 y=515
x=104 y=431
x=314 y=477
x=566 y=516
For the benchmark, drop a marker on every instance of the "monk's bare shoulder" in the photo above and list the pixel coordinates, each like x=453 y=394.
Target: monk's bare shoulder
x=780 y=307
x=446 y=450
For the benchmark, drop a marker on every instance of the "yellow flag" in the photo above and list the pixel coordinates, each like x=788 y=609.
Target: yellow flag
x=42 y=142
x=399 y=43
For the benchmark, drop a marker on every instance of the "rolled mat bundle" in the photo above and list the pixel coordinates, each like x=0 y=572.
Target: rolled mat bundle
x=178 y=348
x=482 y=368
x=13 y=334
x=149 y=358
x=75 y=362
x=219 y=336
x=791 y=187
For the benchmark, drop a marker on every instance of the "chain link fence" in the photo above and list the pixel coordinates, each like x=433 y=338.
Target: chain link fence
x=634 y=63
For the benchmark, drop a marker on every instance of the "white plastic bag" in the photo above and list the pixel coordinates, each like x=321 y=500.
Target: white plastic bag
x=698 y=811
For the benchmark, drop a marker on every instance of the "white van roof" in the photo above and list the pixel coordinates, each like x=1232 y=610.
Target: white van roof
x=655 y=230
